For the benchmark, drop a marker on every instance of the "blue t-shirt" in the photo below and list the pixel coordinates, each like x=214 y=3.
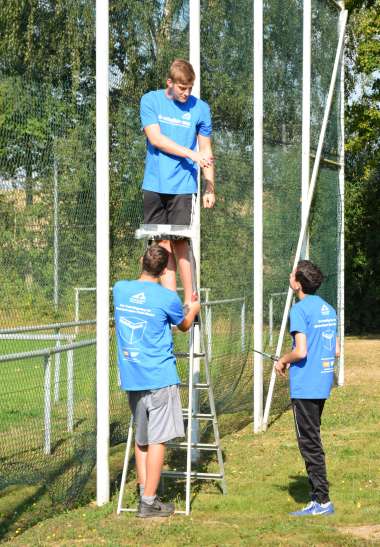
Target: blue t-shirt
x=144 y=311
x=312 y=378
x=180 y=122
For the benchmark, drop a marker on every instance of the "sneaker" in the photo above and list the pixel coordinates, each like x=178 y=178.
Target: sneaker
x=156 y=509
x=315 y=508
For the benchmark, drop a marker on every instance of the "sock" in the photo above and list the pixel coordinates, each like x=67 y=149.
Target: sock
x=141 y=488
x=148 y=499
x=326 y=504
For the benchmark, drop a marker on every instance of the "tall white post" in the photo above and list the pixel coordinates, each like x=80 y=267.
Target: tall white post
x=56 y=235
x=341 y=220
x=306 y=79
x=258 y=212
x=313 y=181
x=102 y=253
x=70 y=388
x=195 y=60
x=47 y=404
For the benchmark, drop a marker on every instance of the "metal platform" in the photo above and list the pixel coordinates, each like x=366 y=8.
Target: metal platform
x=164 y=231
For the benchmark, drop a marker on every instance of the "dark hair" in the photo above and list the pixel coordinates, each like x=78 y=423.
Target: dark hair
x=309 y=275
x=155 y=260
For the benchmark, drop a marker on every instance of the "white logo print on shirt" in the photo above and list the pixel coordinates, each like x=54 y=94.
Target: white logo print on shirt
x=325 y=310
x=138 y=298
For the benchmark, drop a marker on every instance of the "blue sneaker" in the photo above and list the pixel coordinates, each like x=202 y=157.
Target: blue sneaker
x=315 y=508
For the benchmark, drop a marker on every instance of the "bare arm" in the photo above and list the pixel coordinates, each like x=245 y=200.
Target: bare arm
x=193 y=309
x=337 y=347
x=157 y=139
x=205 y=149
x=297 y=354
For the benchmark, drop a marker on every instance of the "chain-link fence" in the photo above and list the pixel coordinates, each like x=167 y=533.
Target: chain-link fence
x=47 y=206
x=283 y=83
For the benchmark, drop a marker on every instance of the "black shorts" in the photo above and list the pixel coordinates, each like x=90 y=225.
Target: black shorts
x=167 y=208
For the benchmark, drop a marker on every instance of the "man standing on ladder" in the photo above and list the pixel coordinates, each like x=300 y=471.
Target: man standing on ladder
x=175 y=122
x=144 y=312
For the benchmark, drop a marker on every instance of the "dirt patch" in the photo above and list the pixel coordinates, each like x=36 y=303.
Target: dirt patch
x=369 y=532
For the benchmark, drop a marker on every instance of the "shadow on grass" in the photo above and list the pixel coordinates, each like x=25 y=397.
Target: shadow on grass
x=299 y=488
x=170 y=489
x=55 y=489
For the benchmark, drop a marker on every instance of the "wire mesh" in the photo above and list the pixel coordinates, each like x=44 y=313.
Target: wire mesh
x=47 y=248
x=47 y=202
x=283 y=62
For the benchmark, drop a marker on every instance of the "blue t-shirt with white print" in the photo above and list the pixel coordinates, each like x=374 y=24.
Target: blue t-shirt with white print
x=180 y=122
x=144 y=312
x=312 y=377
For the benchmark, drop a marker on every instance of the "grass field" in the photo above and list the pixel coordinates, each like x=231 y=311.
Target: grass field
x=266 y=480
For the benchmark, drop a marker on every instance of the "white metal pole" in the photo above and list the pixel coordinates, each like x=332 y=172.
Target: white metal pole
x=56 y=236
x=70 y=388
x=57 y=370
x=76 y=308
x=102 y=253
x=306 y=86
x=47 y=404
x=343 y=19
x=242 y=323
x=195 y=60
x=258 y=212
x=341 y=220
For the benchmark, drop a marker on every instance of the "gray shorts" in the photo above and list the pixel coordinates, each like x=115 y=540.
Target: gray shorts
x=157 y=414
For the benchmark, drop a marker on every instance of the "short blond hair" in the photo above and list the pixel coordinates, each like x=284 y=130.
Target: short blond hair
x=181 y=72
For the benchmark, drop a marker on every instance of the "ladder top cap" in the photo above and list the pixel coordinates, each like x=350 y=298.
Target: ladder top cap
x=162 y=230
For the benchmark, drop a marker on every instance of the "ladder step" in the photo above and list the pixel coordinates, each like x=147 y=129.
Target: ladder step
x=199 y=446
x=197 y=415
x=196 y=386
x=187 y=354
x=193 y=474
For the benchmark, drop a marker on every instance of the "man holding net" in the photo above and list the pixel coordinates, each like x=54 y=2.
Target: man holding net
x=175 y=124
x=315 y=345
x=144 y=312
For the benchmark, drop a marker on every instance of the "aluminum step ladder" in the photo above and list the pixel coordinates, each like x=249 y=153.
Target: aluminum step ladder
x=194 y=386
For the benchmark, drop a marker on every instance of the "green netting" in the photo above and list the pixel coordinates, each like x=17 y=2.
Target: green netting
x=47 y=205
x=282 y=161
x=47 y=249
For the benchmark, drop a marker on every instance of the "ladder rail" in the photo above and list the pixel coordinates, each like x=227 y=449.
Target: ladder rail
x=215 y=424
x=125 y=466
x=194 y=385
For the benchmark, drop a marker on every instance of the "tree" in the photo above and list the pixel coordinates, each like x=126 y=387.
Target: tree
x=363 y=166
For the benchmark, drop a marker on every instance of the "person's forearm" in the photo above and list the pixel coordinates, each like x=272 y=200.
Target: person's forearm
x=208 y=171
x=293 y=356
x=209 y=179
x=170 y=147
x=187 y=322
x=189 y=317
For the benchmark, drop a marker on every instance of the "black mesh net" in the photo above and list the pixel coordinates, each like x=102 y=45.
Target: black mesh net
x=48 y=214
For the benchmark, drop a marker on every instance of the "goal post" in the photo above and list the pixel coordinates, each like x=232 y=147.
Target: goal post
x=313 y=181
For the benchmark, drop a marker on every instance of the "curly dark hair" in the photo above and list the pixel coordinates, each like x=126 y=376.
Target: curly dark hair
x=309 y=275
x=155 y=260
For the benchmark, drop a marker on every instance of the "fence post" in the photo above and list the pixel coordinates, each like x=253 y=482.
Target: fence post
x=57 y=368
x=47 y=404
x=76 y=311
x=70 y=388
x=242 y=320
